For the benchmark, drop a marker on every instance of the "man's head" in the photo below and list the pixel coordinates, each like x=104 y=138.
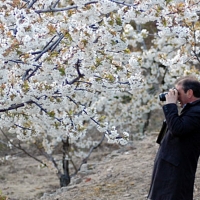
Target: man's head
x=188 y=89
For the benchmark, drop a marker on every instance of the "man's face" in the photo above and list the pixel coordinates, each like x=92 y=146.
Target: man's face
x=182 y=96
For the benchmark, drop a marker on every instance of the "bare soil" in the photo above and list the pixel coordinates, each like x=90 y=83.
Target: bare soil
x=123 y=174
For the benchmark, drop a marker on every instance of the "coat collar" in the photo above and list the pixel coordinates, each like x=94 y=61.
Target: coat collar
x=191 y=104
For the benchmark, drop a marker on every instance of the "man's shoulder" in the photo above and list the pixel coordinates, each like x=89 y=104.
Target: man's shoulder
x=194 y=106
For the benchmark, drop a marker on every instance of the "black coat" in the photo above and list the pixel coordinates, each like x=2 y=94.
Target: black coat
x=176 y=160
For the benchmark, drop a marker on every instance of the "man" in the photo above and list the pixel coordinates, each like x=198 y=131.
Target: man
x=176 y=160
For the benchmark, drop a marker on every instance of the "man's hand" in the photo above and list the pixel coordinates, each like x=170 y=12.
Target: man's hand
x=172 y=96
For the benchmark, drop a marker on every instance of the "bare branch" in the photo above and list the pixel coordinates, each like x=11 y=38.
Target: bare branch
x=57 y=42
x=47 y=156
x=94 y=147
x=55 y=9
x=89 y=153
x=32 y=73
x=32 y=3
x=20 y=148
x=96 y=122
x=26 y=74
x=24 y=128
x=56 y=3
x=122 y=3
x=50 y=158
x=15 y=61
x=196 y=55
x=50 y=47
x=195 y=45
x=77 y=66
x=44 y=110
x=15 y=106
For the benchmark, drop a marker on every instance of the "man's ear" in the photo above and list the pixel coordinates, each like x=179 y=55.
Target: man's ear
x=190 y=93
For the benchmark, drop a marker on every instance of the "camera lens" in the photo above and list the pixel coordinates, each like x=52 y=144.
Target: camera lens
x=162 y=96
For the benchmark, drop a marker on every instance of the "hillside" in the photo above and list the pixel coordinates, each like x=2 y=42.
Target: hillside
x=123 y=174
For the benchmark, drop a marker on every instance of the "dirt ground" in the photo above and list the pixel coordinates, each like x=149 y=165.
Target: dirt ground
x=123 y=174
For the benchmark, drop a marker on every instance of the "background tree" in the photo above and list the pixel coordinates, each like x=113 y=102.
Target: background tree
x=68 y=67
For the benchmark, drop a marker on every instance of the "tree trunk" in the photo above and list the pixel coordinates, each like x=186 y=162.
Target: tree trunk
x=65 y=178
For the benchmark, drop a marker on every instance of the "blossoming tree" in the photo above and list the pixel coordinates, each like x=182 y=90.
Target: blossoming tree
x=71 y=66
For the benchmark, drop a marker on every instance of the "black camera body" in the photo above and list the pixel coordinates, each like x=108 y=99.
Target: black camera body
x=162 y=96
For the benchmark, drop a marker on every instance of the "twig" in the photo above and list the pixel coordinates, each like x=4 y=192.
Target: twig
x=80 y=75
x=49 y=47
x=32 y=3
x=33 y=72
x=57 y=42
x=122 y=3
x=55 y=9
x=15 y=61
x=195 y=45
x=56 y=3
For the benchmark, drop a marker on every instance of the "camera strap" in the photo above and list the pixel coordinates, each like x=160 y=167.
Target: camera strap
x=162 y=132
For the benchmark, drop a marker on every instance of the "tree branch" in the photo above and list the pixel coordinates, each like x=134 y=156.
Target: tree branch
x=89 y=153
x=55 y=9
x=47 y=156
x=122 y=3
x=20 y=148
x=32 y=3
x=50 y=47
x=15 y=61
x=15 y=106
x=32 y=72
x=195 y=45
x=80 y=75
x=56 y=3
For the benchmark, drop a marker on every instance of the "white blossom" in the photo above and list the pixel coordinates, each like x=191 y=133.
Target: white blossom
x=98 y=66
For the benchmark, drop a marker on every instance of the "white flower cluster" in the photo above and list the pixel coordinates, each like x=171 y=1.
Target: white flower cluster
x=113 y=137
x=98 y=64
x=107 y=6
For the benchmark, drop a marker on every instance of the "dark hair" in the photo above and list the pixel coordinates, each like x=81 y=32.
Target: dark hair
x=189 y=82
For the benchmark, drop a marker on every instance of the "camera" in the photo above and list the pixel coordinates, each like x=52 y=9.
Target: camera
x=162 y=96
